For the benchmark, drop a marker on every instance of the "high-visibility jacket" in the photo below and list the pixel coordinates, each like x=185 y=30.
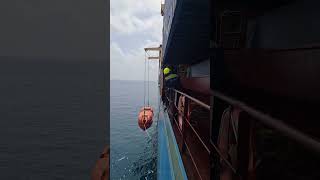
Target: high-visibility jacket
x=170 y=76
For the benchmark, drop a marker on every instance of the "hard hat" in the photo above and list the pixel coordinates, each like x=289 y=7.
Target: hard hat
x=166 y=71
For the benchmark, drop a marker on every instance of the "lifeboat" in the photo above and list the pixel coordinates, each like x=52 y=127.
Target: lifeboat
x=145 y=117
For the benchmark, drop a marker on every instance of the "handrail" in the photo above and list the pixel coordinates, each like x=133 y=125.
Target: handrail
x=198 y=136
x=272 y=122
x=266 y=119
x=194 y=99
x=204 y=145
x=193 y=161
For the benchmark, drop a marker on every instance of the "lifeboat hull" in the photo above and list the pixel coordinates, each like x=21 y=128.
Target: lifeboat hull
x=145 y=118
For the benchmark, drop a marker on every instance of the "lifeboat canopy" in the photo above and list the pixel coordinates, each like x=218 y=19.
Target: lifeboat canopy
x=145 y=117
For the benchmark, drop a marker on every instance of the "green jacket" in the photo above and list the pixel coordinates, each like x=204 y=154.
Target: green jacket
x=170 y=76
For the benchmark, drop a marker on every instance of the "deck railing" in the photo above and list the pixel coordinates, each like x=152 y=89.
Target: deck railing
x=265 y=119
x=274 y=123
x=185 y=122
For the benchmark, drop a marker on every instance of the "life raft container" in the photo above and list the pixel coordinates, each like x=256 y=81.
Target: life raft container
x=145 y=117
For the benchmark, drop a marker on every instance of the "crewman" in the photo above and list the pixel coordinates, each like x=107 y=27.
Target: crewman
x=171 y=79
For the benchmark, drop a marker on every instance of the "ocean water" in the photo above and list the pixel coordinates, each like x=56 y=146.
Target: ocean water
x=133 y=151
x=53 y=118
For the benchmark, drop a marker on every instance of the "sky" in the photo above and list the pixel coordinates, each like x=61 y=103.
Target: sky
x=76 y=29
x=134 y=25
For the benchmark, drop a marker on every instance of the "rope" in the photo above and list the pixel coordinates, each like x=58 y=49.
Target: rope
x=144 y=81
x=148 y=79
x=146 y=65
x=144 y=88
x=148 y=83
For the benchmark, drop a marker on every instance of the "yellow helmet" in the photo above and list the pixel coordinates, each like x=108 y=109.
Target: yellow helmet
x=166 y=71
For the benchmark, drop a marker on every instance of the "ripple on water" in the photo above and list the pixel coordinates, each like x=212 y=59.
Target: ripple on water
x=133 y=153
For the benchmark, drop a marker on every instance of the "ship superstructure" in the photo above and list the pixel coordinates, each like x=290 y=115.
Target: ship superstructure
x=249 y=76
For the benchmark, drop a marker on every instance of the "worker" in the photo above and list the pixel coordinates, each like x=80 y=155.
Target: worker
x=171 y=79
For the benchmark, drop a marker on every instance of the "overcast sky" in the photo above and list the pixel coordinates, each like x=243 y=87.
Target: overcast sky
x=134 y=25
x=73 y=29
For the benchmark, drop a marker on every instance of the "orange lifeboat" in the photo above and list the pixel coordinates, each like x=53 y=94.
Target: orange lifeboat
x=145 y=117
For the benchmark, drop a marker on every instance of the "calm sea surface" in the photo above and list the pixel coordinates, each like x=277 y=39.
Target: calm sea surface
x=133 y=151
x=53 y=118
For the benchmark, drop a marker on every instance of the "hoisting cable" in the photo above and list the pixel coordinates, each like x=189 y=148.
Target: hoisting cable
x=144 y=84
x=146 y=64
x=144 y=93
x=148 y=83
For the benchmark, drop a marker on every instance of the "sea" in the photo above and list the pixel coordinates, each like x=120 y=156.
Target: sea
x=53 y=118
x=133 y=151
